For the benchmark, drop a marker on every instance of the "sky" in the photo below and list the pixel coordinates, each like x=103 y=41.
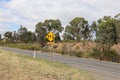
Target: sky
x=28 y=13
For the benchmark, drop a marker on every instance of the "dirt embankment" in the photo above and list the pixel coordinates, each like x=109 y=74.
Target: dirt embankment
x=74 y=46
x=85 y=47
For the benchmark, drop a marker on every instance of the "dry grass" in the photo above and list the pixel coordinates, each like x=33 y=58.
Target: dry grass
x=116 y=48
x=21 y=67
x=75 y=46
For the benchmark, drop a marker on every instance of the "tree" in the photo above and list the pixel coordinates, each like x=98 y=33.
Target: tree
x=22 y=32
x=41 y=32
x=15 y=36
x=48 y=25
x=30 y=37
x=106 y=33
x=94 y=30
x=57 y=37
x=66 y=37
x=78 y=29
x=55 y=26
x=117 y=22
x=33 y=37
x=8 y=34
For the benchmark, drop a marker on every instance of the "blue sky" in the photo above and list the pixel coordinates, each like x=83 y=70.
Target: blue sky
x=4 y=0
x=14 y=13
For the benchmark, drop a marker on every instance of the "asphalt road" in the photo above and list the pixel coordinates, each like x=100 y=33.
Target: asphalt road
x=102 y=70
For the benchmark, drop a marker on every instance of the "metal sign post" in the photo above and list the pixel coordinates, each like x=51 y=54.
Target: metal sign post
x=50 y=55
x=50 y=36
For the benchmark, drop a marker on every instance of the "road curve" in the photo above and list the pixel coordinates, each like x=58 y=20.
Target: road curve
x=102 y=70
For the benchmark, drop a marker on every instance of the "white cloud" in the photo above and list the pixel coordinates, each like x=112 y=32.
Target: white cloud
x=29 y=12
x=4 y=28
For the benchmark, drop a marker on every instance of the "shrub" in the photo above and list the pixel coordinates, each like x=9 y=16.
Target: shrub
x=96 y=54
x=78 y=53
x=55 y=46
x=111 y=55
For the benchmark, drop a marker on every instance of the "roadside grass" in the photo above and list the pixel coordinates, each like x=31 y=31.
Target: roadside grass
x=24 y=46
x=74 y=49
x=21 y=67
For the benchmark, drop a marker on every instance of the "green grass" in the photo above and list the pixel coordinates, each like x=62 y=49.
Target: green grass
x=21 y=67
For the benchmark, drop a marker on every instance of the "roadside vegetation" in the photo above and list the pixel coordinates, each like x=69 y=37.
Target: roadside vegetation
x=104 y=33
x=21 y=67
x=24 y=46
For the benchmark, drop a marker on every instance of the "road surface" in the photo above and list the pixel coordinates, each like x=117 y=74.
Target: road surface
x=101 y=70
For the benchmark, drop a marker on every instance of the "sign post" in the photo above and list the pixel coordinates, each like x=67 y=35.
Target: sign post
x=50 y=36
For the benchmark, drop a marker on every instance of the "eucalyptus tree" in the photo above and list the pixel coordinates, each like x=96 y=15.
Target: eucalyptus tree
x=117 y=19
x=78 y=29
x=42 y=28
x=8 y=34
x=22 y=33
x=55 y=26
x=41 y=32
x=106 y=33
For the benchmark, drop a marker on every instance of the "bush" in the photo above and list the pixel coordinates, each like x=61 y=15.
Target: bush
x=77 y=53
x=111 y=55
x=55 y=46
x=96 y=54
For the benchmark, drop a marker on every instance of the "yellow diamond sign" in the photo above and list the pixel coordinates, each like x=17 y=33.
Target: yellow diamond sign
x=50 y=36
